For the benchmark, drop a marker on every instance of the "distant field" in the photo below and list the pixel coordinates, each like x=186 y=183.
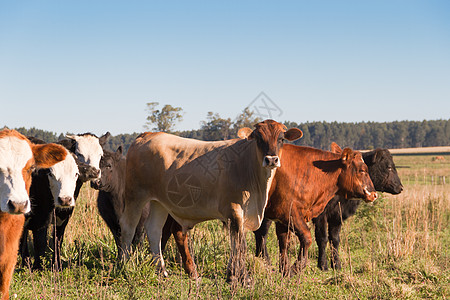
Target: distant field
x=422 y=150
x=396 y=248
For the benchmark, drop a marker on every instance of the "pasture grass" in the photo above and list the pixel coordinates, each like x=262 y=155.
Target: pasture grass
x=397 y=248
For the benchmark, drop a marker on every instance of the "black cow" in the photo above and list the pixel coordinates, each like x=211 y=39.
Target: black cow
x=89 y=149
x=384 y=176
x=50 y=188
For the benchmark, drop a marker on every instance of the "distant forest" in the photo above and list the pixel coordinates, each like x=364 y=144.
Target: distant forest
x=363 y=135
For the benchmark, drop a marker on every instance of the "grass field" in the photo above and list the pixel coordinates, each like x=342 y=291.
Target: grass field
x=397 y=248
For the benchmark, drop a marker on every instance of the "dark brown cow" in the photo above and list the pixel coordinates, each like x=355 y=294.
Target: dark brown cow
x=307 y=179
x=110 y=203
x=18 y=158
x=328 y=224
x=195 y=181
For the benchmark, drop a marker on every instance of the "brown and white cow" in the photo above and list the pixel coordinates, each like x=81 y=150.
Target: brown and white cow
x=195 y=181
x=307 y=179
x=18 y=158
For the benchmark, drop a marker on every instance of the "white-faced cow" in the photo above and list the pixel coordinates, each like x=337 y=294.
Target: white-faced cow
x=195 y=181
x=88 y=149
x=18 y=158
x=50 y=188
x=307 y=179
x=328 y=224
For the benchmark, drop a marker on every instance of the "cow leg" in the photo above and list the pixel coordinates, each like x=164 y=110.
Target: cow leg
x=108 y=214
x=282 y=232
x=181 y=238
x=128 y=223
x=7 y=264
x=304 y=235
x=166 y=232
x=23 y=248
x=261 y=240
x=58 y=234
x=236 y=270
x=39 y=245
x=334 y=230
x=320 y=227
x=154 y=225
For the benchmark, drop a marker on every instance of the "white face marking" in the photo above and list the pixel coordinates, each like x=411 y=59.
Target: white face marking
x=14 y=155
x=63 y=178
x=89 y=150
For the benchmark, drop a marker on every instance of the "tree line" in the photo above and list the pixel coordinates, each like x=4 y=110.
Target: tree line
x=361 y=135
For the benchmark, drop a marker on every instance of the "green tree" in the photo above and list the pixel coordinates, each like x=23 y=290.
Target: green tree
x=164 y=119
x=216 y=128
x=245 y=119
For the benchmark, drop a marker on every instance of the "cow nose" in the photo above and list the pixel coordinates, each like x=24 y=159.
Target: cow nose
x=96 y=172
x=271 y=161
x=18 y=208
x=370 y=196
x=65 y=201
x=96 y=184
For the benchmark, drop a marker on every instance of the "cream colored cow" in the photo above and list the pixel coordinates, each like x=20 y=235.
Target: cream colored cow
x=195 y=181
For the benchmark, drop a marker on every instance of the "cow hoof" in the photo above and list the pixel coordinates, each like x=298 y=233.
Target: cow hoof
x=193 y=275
x=323 y=267
x=244 y=281
x=336 y=267
x=298 y=267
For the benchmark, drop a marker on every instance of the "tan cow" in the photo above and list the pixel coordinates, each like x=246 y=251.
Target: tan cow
x=195 y=181
x=18 y=158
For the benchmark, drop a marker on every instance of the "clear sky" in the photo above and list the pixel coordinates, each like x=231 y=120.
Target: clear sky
x=79 y=66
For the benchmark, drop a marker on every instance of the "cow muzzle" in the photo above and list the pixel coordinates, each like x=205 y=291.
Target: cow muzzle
x=370 y=196
x=271 y=161
x=96 y=184
x=16 y=208
x=65 y=201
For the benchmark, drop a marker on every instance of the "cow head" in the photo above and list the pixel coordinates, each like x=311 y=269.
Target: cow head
x=109 y=165
x=270 y=136
x=88 y=148
x=62 y=178
x=18 y=159
x=382 y=171
x=354 y=180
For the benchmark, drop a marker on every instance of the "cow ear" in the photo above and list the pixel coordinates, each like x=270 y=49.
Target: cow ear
x=293 y=134
x=47 y=155
x=346 y=156
x=72 y=136
x=335 y=148
x=245 y=133
x=69 y=144
x=103 y=138
x=119 y=150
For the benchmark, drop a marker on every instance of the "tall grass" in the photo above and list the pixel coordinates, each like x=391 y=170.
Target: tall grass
x=395 y=248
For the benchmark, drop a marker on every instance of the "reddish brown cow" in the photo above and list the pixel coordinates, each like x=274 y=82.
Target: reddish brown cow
x=18 y=157
x=307 y=179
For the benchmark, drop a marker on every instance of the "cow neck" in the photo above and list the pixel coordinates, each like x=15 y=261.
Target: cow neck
x=258 y=181
x=257 y=174
x=118 y=184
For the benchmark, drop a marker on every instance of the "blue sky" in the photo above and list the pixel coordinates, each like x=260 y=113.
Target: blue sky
x=78 y=66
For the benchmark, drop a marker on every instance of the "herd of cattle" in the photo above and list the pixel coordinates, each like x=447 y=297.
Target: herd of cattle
x=168 y=184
